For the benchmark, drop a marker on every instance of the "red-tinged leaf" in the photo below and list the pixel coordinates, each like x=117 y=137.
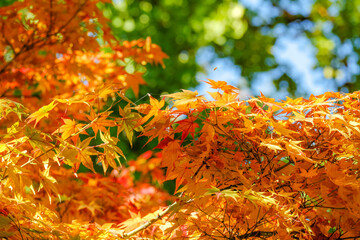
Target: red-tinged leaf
x=164 y=142
x=187 y=126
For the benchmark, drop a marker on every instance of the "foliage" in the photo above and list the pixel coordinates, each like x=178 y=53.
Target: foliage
x=62 y=64
x=255 y=168
x=69 y=46
x=260 y=168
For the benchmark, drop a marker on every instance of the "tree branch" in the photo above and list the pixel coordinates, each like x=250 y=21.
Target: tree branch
x=261 y=234
x=150 y=222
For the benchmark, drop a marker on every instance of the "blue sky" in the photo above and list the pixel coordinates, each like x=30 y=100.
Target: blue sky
x=291 y=48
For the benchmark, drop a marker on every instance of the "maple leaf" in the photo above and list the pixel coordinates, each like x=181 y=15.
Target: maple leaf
x=99 y=122
x=223 y=99
x=134 y=80
x=155 y=108
x=70 y=128
x=111 y=150
x=41 y=113
x=271 y=146
x=170 y=155
x=47 y=182
x=186 y=97
x=7 y=106
x=187 y=126
x=163 y=143
x=84 y=153
x=221 y=85
x=295 y=150
x=69 y=156
x=37 y=139
x=182 y=173
x=129 y=123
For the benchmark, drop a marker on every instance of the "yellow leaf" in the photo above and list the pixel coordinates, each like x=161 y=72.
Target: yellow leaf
x=70 y=127
x=129 y=122
x=155 y=108
x=271 y=146
x=183 y=98
x=84 y=153
x=41 y=113
x=69 y=156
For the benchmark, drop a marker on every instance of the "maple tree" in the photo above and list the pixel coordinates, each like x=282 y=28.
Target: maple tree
x=243 y=169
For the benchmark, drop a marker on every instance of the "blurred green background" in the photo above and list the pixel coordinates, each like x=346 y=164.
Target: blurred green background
x=282 y=48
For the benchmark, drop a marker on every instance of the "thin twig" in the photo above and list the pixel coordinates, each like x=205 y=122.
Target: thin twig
x=155 y=219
